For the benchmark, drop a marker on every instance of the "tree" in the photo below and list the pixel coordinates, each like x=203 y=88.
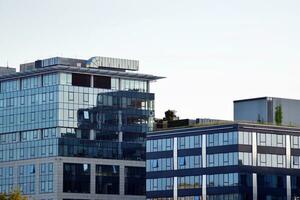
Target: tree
x=15 y=195
x=170 y=115
x=278 y=115
x=259 y=119
x=3 y=196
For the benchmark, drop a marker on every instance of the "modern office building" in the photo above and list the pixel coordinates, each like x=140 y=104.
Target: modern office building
x=55 y=141
x=263 y=110
x=225 y=161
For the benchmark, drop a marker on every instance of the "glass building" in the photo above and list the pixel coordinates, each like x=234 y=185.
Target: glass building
x=229 y=161
x=46 y=150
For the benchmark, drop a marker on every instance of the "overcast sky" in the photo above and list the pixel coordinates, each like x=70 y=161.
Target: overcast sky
x=212 y=52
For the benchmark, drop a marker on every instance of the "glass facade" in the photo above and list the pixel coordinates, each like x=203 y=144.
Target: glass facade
x=162 y=164
x=189 y=142
x=270 y=186
x=119 y=116
x=220 y=139
x=107 y=179
x=188 y=162
x=160 y=184
x=40 y=116
x=6 y=179
x=189 y=182
x=46 y=177
x=77 y=178
x=222 y=159
x=26 y=178
x=236 y=160
x=70 y=147
x=29 y=150
x=271 y=160
x=295 y=142
x=223 y=180
x=48 y=100
x=271 y=140
x=160 y=145
x=135 y=183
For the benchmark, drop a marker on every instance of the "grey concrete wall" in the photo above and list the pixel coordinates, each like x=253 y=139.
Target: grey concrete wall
x=93 y=163
x=58 y=162
x=250 y=110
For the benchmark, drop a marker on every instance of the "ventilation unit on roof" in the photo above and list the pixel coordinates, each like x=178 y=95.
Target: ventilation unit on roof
x=116 y=63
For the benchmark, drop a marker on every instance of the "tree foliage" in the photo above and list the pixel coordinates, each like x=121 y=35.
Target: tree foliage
x=15 y=195
x=259 y=119
x=3 y=196
x=278 y=115
x=170 y=115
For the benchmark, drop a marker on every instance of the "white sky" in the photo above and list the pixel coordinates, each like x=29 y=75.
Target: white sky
x=212 y=52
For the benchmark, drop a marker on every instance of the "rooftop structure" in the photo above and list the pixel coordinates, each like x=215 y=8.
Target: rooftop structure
x=265 y=110
x=94 y=62
x=6 y=70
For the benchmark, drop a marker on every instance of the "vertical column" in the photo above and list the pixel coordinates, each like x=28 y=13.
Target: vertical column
x=58 y=177
x=92 y=134
x=37 y=178
x=254 y=149
x=175 y=191
x=122 y=180
x=254 y=184
x=119 y=84
x=93 y=178
x=288 y=187
x=120 y=133
x=15 y=175
x=92 y=81
x=148 y=86
x=254 y=163
x=204 y=193
x=288 y=151
x=288 y=165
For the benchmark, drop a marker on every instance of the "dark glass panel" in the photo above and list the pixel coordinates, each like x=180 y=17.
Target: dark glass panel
x=81 y=80
x=107 y=179
x=135 y=183
x=76 y=178
x=103 y=82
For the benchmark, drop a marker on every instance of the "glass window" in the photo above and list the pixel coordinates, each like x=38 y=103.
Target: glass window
x=135 y=183
x=181 y=161
x=71 y=96
x=296 y=160
x=280 y=140
x=22 y=100
x=154 y=163
x=71 y=114
x=225 y=139
x=76 y=178
x=262 y=139
x=107 y=179
x=85 y=97
x=216 y=139
x=295 y=143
